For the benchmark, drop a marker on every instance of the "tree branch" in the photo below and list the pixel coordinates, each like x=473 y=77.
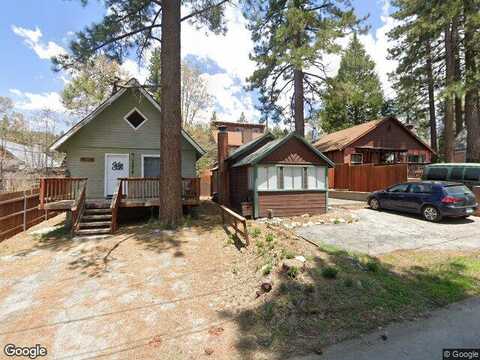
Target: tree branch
x=208 y=8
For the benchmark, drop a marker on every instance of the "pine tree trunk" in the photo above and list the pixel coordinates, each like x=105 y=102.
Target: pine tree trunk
x=472 y=95
x=170 y=210
x=458 y=78
x=298 y=102
x=431 y=99
x=448 y=131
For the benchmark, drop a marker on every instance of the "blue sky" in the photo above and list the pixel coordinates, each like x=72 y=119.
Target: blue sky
x=33 y=30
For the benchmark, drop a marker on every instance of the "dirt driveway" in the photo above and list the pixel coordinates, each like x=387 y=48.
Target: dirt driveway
x=382 y=232
x=145 y=293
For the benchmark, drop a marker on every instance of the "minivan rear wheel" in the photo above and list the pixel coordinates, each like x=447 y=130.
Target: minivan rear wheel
x=431 y=213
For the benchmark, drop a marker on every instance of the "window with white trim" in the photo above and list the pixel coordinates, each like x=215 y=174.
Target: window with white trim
x=267 y=178
x=291 y=178
x=356 y=159
x=135 y=119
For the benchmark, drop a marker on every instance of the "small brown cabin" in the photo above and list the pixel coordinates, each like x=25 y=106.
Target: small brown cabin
x=383 y=141
x=272 y=177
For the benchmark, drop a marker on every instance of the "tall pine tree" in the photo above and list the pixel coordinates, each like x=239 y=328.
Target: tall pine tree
x=135 y=25
x=355 y=94
x=291 y=37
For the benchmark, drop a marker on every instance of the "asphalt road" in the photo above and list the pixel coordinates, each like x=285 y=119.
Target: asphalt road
x=457 y=326
x=379 y=232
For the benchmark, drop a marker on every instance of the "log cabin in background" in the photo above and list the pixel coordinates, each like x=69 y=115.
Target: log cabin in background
x=382 y=141
x=272 y=177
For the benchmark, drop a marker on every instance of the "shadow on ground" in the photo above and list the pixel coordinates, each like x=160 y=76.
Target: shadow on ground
x=340 y=295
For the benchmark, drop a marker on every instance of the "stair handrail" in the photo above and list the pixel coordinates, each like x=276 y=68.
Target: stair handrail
x=116 y=199
x=79 y=207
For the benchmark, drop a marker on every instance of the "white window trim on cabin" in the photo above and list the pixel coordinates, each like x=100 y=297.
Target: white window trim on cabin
x=143 y=156
x=320 y=177
x=130 y=113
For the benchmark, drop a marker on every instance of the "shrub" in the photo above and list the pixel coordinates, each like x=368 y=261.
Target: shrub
x=269 y=238
x=267 y=269
x=287 y=254
x=292 y=272
x=329 y=272
x=372 y=266
x=255 y=232
x=348 y=282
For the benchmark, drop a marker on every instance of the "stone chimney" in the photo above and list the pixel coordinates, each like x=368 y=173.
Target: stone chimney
x=223 y=179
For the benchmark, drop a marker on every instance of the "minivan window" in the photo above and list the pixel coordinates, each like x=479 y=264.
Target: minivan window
x=472 y=174
x=437 y=173
x=457 y=173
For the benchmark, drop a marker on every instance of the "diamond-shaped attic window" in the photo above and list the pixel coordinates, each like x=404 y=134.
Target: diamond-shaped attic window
x=135 y=118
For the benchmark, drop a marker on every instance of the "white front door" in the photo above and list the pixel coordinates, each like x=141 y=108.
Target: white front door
x=116 y=166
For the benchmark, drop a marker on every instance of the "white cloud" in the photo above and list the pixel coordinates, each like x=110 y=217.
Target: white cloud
x=230 y=98
x=231 y=52
x=135 y=69
x=376 y=45
x=40 y=101
x=33 y=40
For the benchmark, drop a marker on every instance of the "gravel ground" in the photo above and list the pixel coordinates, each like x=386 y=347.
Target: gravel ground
x=157 y=295
x=383 y=232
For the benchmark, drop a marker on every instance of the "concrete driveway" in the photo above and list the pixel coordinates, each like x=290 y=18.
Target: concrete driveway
x=382 y=232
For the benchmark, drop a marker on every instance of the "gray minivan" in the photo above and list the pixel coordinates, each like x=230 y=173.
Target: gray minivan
x=468 y=174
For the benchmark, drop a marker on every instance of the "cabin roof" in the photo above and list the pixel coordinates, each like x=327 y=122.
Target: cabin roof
x=133 y=83
x=245 y=148
x=339 y=140
x=259 y=154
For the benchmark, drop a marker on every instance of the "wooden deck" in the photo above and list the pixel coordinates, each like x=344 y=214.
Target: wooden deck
x=68 y=194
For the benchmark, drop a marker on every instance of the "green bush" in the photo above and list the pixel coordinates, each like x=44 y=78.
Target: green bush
x=329 y=272
x=348 y=282
x=269 y=238
x=372 y=266
x=267 y=269
x=292 y=272
x=255 y=232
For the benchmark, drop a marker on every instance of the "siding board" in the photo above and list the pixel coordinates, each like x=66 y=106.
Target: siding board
x=292 y=203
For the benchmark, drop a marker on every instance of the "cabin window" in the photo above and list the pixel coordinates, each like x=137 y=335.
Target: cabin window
x=135 y=119
x=356 y=158
x=301 y=178
x=250 y=178
x=267 y=178
x=150 y=165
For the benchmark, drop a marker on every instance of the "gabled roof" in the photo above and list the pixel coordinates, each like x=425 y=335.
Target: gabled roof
x=245 y=148
x=256 y=156
x=132 y=83
x=339 y=140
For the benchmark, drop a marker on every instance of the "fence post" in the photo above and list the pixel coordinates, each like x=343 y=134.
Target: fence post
x=24 y=211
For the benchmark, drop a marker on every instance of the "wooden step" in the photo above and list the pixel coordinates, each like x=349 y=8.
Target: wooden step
x=98 y=205
x=92 y=231
x=94 y=224
x=97 y=217
x=97 y=211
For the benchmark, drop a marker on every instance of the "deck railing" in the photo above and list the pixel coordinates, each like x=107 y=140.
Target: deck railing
x=148 y=188
x=54 y=189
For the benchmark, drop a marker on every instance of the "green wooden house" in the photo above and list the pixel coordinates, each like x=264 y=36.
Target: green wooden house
x=115 y=150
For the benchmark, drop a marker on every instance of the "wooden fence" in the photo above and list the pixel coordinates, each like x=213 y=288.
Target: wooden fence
x=236 y=221
x=205 y=184
x=366 y=177
x=19 y=211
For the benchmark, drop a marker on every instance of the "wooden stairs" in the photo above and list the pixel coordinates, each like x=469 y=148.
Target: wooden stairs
x=95 y=220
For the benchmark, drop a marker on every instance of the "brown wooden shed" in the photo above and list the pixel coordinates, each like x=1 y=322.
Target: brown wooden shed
x=279 y=177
